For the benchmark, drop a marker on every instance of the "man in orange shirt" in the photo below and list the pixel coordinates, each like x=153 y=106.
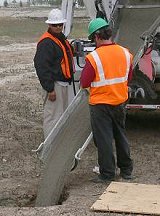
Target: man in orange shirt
x=107 y=71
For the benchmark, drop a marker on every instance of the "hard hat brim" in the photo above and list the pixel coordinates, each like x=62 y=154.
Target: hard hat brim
x=90 y=36
x=55 y=22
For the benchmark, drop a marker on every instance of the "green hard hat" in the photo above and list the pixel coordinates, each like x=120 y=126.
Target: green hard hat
x=96 y=24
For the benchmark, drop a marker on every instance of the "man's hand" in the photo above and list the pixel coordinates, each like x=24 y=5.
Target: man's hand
x=52 y=96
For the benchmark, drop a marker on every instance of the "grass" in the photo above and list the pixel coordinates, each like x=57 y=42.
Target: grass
x=23 y=30
x=79 y=29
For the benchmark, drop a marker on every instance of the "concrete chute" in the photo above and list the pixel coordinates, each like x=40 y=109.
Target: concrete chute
x=59 y=149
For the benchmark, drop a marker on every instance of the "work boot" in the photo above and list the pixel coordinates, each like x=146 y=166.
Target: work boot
x=102 y=179
x=126 y=176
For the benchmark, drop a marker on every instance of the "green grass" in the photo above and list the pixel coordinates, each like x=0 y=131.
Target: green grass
x=22 y=30
x=79 y=29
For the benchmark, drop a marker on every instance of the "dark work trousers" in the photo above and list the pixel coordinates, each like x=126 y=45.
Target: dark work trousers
x=108 y=123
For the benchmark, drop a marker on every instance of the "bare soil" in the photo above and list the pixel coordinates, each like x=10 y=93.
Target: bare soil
x=21 y=114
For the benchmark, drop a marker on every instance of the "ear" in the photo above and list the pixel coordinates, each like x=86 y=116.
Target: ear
x=96 y=36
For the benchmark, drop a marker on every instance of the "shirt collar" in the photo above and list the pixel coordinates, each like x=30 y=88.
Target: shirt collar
x=113 y=43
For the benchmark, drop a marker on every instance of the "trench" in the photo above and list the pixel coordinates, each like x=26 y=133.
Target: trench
x=27 y=200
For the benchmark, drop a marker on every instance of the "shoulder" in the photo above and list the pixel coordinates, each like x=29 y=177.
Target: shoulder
x=89 y=56
x=47 y=44
x=125 y=48
x=46 y=41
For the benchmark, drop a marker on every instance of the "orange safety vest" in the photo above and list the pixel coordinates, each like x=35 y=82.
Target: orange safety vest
x=111 y=64
x=64 y=63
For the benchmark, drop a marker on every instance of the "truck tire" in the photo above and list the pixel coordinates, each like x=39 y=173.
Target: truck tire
x=140 y=80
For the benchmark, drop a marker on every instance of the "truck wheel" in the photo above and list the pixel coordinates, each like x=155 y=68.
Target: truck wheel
x=140 y=80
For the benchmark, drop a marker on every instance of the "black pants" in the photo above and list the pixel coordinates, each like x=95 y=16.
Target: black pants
x=108 y=123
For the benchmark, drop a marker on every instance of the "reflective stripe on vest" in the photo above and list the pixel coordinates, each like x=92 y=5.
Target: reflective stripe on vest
x=103 y=81
x=64 y=63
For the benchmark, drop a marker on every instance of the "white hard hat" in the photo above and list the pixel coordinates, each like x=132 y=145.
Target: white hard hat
x=55 y=17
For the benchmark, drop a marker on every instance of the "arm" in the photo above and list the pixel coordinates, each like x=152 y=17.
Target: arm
x=44 y=62
x=130 y=75
x=87 y=75
x=47 y=64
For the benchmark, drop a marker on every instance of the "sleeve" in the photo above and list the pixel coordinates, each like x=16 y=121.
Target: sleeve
x=46 y=64
x=130 y=75
x=87 y=75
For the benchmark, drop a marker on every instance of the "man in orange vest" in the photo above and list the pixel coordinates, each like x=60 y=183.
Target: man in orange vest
x=54 y=67
x=107 y=71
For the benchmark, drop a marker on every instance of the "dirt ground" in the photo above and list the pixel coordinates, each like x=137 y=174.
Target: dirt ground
x=21 y=113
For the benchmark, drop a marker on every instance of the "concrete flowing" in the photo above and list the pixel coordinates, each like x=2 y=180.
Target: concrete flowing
x=68 y=135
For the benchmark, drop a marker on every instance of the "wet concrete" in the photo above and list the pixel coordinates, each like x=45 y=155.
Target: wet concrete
x=72 y=133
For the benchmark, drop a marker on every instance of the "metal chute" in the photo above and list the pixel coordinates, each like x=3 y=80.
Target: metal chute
x=105 y=6
x=58 y=150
